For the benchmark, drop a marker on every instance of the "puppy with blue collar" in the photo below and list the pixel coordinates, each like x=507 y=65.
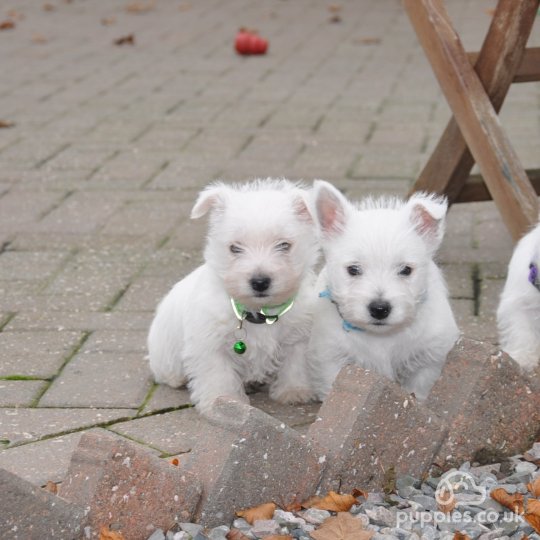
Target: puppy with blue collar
x=518 y=314
x=383 y=302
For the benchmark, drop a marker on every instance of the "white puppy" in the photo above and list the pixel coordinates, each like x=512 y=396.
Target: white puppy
x=518 y=316
x=383 y=302
x=244 y=315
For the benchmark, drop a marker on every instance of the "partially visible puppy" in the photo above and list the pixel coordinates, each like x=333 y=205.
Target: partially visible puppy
x=518 y=315
x=244 y=315
x=383 y=301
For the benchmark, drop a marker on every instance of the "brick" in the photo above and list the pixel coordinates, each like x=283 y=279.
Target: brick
x=491 y=409
x=26 y=425
x=100 y=380
x=367 y=425
x=128 y=488
x=31 y=513
x=244 y=457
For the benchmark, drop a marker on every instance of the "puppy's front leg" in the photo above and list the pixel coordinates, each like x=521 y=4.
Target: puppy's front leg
x=422 y=380
x=292 y=384
x=213 y=378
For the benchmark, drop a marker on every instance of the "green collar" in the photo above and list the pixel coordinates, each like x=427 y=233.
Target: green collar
x=267 y=314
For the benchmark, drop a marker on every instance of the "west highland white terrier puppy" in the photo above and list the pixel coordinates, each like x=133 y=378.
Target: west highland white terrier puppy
x=518 y=315
x=244 y=315
x=383 y=302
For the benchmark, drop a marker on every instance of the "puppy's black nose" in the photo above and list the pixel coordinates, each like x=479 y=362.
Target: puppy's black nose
x=260 y=283
x=379 y=309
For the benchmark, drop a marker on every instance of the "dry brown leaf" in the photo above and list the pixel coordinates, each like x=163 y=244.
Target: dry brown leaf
x=106 y=534
x=7 y=25
x=446 y=501
x=344 y=526
x=532 y=515
x=335 y=502
x=108 y=21
x=175 y=461
x=534 y=487
x=236 y=534
x=359 y=493
x=513 y=501
x=39 y=38
x=125 y=40
x=263 y=511
x=308 y=503
x=6 y=124
x=51 y=487
x=140 y=7
x=460 y=536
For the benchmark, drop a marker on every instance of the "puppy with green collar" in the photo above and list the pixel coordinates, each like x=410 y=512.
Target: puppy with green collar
x=244 y=315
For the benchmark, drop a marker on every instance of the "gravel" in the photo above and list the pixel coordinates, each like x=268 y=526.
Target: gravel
x=411 y=512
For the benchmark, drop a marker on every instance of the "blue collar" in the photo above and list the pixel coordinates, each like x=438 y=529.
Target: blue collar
x=347 y=326
x=533 y=275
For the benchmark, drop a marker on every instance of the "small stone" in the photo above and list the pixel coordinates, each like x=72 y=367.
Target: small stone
x=495 y=534
x=525 y=467
x=429 y=532
x=375 y=497
x=264 y=527
x=191 y=528
x=426 y=502
x=181 y=535
x=219 y=533
x=158 y=534
x=518 y=478
x=288 y=519
x=315 y=516
x=382 y=516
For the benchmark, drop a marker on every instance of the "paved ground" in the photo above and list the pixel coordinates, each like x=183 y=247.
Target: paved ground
x=111 y=144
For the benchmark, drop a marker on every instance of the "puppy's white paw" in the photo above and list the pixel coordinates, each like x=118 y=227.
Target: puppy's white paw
x=294 y=394
x=176 y=381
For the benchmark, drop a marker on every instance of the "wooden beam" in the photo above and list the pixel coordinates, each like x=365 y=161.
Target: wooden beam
x=451 y=162
x=527 y=71
x=475 y=189
x=473 y=111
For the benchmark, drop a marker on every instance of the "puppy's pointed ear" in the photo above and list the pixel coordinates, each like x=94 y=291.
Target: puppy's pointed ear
x=427 y=213
x=301 y=206
x=331 y=208
x=210 y=198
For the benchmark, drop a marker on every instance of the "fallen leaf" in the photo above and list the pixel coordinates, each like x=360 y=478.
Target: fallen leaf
x=236 y=534
x=125 y=40
x=534 y=487
x=335 y=502
x=310 y=502
x=532 y=515
x=447 y=502
x=263 y=511
x=344 y=526
x=460 y=536
x=6 y=124
x=368 y=40
x=108 y=21
x=359 y=493
x=7 y=25
x=106 y=534
x=140 y=7
x=175 y=461
x=513 y=502
x=51 y=487
x=49 y=7
x=39 y=38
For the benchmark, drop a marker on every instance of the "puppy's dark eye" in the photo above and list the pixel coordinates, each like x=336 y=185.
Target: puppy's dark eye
x=235 y=249
x=283 y=246
x=405 y=270
x=354 y=270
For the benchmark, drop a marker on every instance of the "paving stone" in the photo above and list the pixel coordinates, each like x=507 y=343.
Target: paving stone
x=20 y=425
x=31 y=513
x=100 y=380
x=116 y=341
x=173 y=433
x=19 y=393
x=23 y=265
x=367 y=425
x=41 y=461
x=244 y=457
x=492 y=410
x=127 y=487
x=165 y=397
x=37 y=353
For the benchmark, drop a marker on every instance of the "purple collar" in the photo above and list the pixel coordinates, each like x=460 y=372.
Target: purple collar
x=533 y=275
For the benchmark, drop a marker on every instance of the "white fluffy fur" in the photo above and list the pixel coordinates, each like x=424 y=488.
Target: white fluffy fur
x=381 y=237
x=192 y=335
x=518 y=315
